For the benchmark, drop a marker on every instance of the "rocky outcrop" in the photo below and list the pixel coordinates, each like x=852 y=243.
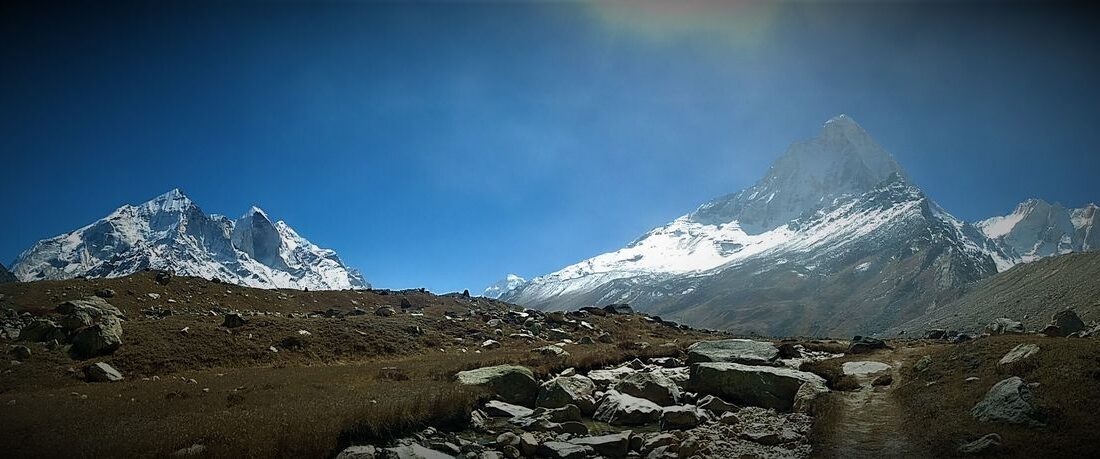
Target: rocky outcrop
x=744 y=351
x=768 y=387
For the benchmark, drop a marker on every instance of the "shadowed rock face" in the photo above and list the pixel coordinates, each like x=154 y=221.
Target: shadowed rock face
x=6 y=276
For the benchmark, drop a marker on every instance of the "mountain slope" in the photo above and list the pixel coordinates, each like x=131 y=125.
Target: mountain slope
x=6 y=276
x=1037 y=229
x=1029 y=292
x=833 y=240
x=171 y=232
x=503 y=286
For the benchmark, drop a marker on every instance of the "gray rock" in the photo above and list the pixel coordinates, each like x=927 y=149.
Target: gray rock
x=105 y=293
x=550 y=351
x=97 y=304
x=499 y=409
x=651 y=386
x=413 y=451
x=923 y=364
x=491 y=344
x=622 y=409
x=865 y=344
x=385 y=311
x=41 y=330
x=568 y=390
x=562 y=450
x=557 y=334
x=233 y=320
x=986 y=444
x=99 y=339
x=196 y=449
x=512 y=383
x=1003 y=326
x=715 y=405
x=733 y=350
x=1019 y=353
x=101 y=372
x=681 y=417
x=612 y=446
x=605 y=338
x=768 y=387
x=1008 y=401
x=1066 y=322
x=358 y=452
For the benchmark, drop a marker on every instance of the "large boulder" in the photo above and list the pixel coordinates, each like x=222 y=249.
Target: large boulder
x=744 y=351
x=234 y=320
x=1008 y=401
x=612 y=446
x=626 y=410
x=511 y=383
x=1064 y=323
x=651 y=386
x=1004 y=326
x=98 y=306
x=768 y=387
x=865 y=344
x=102 y=338
x=568 y=390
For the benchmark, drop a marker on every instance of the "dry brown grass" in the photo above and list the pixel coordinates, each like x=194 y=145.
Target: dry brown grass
x=937 y=402
x=355 y=379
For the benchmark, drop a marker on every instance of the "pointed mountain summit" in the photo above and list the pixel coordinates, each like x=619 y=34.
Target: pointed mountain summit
x=834 y=240
x=843 y=160
x=171 y=232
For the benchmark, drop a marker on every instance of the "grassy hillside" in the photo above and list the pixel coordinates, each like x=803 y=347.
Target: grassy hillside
x=348 y=378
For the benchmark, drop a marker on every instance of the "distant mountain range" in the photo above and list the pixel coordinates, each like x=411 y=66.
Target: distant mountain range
x=834 y=240
x=171 y=232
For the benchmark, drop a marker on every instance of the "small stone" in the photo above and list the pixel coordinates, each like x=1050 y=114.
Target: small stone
x=101 y=372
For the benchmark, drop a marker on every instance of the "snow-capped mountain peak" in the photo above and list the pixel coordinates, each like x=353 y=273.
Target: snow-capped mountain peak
x=171 y=232
x=1037 y=229
x=842 y=160
x=503 y=286
x=833 y=239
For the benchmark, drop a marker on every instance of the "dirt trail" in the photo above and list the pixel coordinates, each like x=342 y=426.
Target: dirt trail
x=871 y=418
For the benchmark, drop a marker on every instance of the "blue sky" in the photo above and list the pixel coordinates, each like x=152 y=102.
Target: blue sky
x=446 y=144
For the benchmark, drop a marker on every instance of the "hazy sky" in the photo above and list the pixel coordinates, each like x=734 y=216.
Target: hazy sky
x=446 y=144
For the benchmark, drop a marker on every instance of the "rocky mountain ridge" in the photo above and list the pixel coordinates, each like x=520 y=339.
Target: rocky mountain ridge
x=171 y=232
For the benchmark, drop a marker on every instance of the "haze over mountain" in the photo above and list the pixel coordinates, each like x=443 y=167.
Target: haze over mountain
x=171 y=232
x=834 y=240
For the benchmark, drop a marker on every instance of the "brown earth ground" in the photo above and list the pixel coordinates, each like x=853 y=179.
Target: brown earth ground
x=353 y=379
x=927 y=413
